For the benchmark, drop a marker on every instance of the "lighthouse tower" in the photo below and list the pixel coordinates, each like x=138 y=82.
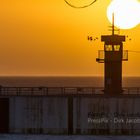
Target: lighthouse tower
x=112 y=55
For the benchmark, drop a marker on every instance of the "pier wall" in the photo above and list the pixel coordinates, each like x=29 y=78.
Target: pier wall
x=74 y=115
x=107 y=115
x=38 y=115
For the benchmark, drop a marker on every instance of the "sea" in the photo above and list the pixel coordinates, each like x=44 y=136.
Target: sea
x=62 y=81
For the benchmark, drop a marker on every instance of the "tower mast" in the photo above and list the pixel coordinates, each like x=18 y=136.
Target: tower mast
x=112 y=23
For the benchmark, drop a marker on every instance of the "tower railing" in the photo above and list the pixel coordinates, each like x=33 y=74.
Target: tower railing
x=125 y=55
x=101 y=56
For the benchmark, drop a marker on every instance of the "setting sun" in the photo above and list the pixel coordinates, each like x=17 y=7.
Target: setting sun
x=127 y=13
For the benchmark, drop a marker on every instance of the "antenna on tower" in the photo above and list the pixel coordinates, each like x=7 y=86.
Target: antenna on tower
x=112 y=23
x=113 y=29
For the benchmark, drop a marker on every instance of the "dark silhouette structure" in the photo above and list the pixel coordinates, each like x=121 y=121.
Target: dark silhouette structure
x=4 y=115
x=113 y=55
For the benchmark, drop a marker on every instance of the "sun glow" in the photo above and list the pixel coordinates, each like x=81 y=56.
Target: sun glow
x=127 y=13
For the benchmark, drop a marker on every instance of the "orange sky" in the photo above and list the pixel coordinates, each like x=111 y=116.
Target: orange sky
x=41 y=37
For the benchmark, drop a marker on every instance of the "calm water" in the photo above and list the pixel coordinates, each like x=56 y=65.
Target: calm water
x=64 y=81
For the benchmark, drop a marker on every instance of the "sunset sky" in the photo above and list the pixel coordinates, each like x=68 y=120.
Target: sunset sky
x=48 y=37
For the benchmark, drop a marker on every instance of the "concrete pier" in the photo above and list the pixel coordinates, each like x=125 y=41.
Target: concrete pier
x=71 y=112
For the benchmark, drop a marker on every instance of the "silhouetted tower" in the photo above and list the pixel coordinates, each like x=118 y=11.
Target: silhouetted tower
x=112 y=56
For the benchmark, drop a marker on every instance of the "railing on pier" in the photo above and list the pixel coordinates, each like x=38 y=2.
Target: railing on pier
x=61 y=91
